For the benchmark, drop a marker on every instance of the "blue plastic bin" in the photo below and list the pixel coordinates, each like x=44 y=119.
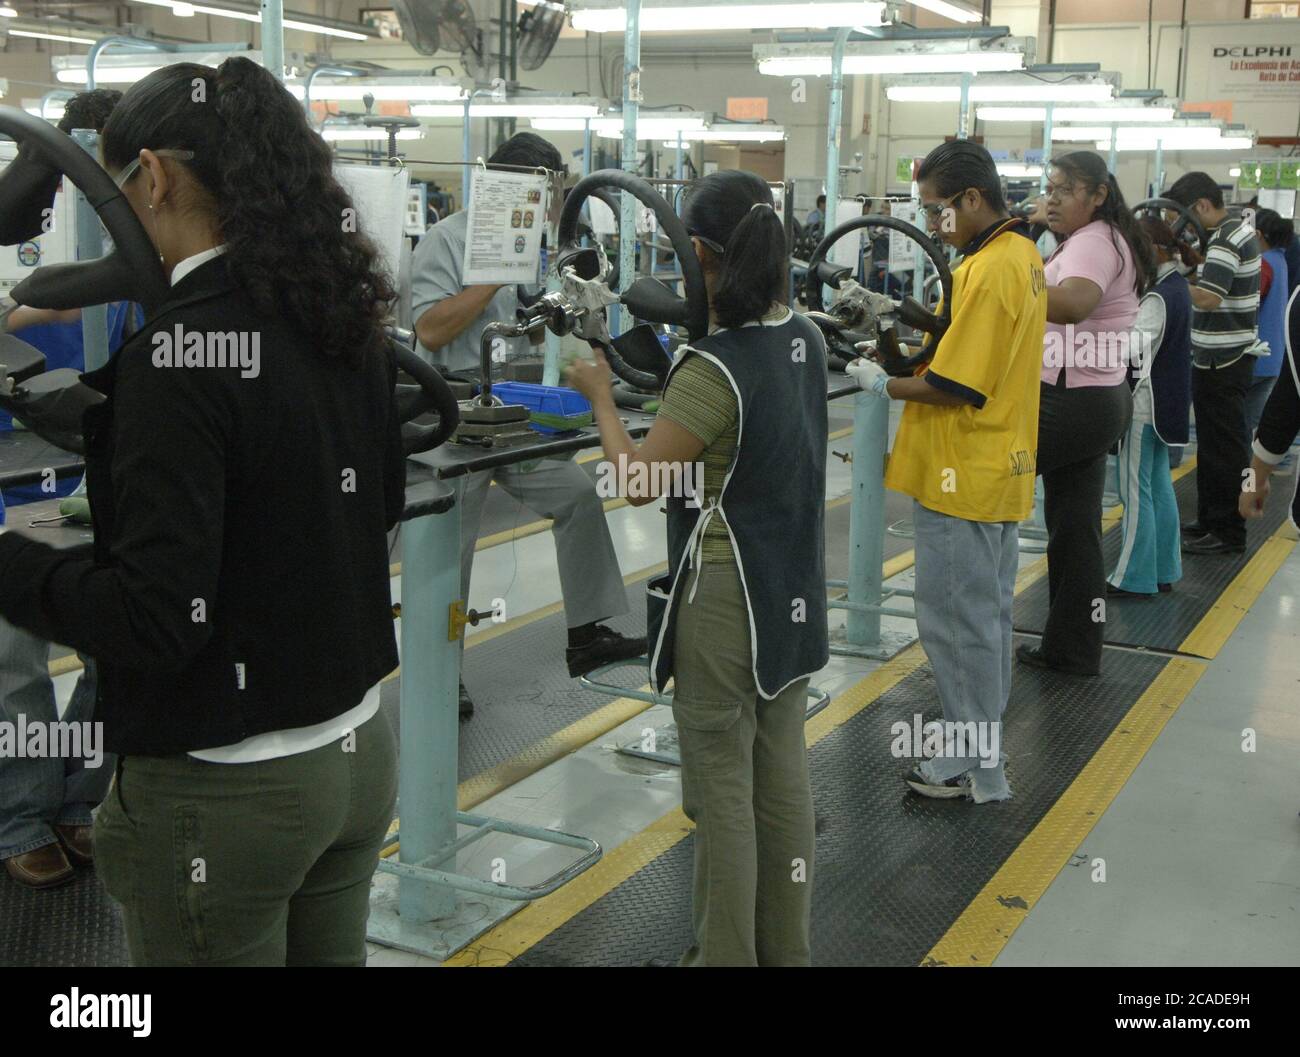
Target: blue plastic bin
x=553 y=401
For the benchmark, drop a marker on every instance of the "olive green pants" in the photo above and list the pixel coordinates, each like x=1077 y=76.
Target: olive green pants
x=249 y=863
x=744 y=785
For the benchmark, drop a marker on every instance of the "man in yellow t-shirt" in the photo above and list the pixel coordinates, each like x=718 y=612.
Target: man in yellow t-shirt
x=965 y=452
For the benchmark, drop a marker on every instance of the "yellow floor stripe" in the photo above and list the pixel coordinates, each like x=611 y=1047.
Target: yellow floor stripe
x=982 y=930
x=1217 y=626
x=1112 y=764
x=538 y=919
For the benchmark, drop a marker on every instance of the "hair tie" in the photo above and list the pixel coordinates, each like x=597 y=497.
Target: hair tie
x=763 y=204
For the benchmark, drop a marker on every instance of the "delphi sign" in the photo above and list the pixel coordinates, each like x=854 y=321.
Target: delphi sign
x=1254 y=71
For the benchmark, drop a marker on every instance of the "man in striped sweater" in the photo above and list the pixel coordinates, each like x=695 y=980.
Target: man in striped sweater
x=1225 y=307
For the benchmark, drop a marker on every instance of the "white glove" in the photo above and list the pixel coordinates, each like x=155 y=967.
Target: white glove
x=870 y=376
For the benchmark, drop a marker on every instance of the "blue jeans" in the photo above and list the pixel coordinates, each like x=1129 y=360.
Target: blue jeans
x=965 y=584
x=39 y=792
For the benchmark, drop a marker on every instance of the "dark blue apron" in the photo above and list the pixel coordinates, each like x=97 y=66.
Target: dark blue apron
x=773 y=503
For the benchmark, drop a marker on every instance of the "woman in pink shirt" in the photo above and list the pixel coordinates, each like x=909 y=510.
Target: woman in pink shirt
x=1094 y=279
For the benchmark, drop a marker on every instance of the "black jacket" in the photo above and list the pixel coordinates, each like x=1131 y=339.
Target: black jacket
x=239 y=582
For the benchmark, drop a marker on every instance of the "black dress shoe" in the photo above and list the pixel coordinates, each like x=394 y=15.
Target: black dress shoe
x=466 y=703
x=1119 y=592
x=1193 y=529
x=1033 y=656
x=1211 y=544
x=604 y=647
x=1165 y=588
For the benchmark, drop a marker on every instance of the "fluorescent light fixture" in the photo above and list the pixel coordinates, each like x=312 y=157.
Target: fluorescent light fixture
x=1026 y=91
x=1117 y=114
x=519 y=108
x=62 y=38
x=52 y=113
x=1171 y=132
x=942 y=7
x=1149 y=141
x=1235 y=171
x=932 y=55
x=254 y=16
x=356 y=134
x=411 y=89
x=648 y=126
x=727 y=134
x=129 y=68
x=1013 y=169
x=7 y=12
x=610 y=16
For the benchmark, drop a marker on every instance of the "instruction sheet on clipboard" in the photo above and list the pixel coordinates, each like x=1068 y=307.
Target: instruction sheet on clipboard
x=507 y=215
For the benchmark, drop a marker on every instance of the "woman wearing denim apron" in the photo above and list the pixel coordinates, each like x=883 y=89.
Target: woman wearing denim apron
x=744 y=611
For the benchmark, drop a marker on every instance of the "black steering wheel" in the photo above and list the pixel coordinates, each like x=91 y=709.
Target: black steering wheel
x=132 y=272
x=632 y=356
x=841 y=336
x=1186 y=221
x=430 y=394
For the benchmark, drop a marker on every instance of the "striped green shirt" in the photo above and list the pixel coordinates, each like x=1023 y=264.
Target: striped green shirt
x=700 y=400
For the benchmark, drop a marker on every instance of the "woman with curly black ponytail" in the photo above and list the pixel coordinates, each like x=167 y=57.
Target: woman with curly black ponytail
x=243 y=473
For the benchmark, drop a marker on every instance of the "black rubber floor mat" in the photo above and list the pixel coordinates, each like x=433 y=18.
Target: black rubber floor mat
x=893 y=870
x=1165 y=621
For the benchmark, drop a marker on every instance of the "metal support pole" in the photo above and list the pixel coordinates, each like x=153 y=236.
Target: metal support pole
x=90 y=246
x=273 y=37
x=1113 y=160
x=1160 y=166
x=867 y=515
x=586 y=147
x=963 y=119
x=628 y=204
x=429 y=721
x=681 y=167
x=833 y=130
x=1047 y=148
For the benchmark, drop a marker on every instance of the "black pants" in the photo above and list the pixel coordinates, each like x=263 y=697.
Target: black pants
x=1219 y=401
x=1076 y=429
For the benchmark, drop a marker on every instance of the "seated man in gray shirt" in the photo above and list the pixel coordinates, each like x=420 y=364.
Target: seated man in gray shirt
x=449 y=320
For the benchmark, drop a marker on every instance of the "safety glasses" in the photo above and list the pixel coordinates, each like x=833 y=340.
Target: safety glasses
x=716 y=247
x=934 y=210
x=129 y=171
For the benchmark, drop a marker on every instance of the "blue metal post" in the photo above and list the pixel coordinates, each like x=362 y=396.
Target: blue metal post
x=586 y=147
x=273 y=37
x=429 y=720
x=833 y=130
x=1160 y=165
x=1047 y=148
x=867 y=515
x=631 y=105
x=963 y=118
x=90 y=246
x=1114 y=149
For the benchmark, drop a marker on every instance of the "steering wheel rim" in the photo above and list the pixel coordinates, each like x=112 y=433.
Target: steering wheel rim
x=1186 y=219
x=814 y=281
x=696 y=307
x=132 y=272
x=430 y=394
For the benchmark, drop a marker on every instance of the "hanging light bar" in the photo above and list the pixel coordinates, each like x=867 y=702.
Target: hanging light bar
x=184 y=9
x=610 y=16
x=1117 y=114
x=412 y=89
x=530 y=108
x=911 y=55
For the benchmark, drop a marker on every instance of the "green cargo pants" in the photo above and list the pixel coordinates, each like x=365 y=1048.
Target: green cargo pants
x=249 y=863
x=744 y=785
